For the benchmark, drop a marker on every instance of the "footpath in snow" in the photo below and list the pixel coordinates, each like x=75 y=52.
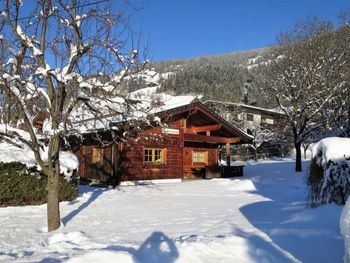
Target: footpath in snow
x=261 y=217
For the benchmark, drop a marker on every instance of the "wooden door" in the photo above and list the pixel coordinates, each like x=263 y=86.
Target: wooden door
x=195 y=161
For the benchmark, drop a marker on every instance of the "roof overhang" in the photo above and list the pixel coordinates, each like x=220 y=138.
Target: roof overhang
x=220 y=123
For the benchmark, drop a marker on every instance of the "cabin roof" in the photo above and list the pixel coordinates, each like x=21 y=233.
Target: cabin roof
x=198 y=106
x=204 y=116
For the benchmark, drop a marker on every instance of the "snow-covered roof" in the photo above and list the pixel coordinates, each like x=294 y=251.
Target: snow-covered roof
x=84 y=121
x=23 y=154
x=170 y=104
x=271 y=111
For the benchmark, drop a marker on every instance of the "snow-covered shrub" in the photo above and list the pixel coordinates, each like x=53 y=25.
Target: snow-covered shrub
x=21 y=180
x=20 y=185
x=329 y=174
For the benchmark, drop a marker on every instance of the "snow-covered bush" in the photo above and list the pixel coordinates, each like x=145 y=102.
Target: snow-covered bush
x=329 y=174
x=22 y=185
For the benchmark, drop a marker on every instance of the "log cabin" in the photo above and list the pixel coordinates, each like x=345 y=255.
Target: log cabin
x=186 y=147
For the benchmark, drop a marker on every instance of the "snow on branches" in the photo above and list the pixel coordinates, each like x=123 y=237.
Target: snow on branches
x=58 y=59
x=308 y=77
x=60 y=71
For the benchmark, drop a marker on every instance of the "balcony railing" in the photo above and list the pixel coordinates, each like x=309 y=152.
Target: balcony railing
x=223 y=171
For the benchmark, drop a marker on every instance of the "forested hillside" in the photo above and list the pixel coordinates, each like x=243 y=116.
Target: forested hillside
x=233 y=77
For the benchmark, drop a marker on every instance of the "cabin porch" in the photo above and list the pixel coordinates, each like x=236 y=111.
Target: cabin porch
x=204 y=160
x=217 y=171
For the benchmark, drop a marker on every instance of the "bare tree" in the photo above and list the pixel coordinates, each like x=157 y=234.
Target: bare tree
x=57 y=56
x=336 y=115
x=260 y=135
x=305 y=76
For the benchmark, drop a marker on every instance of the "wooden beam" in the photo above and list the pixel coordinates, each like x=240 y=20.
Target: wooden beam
x=192 y=111
x=205 y=128
x=189 y=137
x=184 y=121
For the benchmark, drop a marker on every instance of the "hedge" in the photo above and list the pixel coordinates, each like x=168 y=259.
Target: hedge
x=20 y=185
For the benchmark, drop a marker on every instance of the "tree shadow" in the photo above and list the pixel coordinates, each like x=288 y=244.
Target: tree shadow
x=94 y=194
x=157 y=248
x=309 y=235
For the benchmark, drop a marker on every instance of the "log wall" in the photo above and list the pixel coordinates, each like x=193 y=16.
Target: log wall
x=133 y=166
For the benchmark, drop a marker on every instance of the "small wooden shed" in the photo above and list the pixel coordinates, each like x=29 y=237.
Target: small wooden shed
x=186 y=148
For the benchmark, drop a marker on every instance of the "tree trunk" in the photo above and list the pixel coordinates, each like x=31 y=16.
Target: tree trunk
x=348 y=126
x=53 y=209
x=298 y=157
x=256 y=154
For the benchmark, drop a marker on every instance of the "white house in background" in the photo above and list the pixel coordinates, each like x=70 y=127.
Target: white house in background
x=249 y=116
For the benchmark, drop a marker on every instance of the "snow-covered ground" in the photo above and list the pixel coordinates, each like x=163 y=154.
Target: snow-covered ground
x=261 y=217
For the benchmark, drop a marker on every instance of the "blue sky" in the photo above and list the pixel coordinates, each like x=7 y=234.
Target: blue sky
x=189 y=28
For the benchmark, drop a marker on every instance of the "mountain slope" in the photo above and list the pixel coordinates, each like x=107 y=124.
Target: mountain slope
x=233 y=77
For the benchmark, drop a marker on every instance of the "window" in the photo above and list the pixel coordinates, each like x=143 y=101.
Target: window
x=250 y=117
x=154 y=156
x=97 y=154
x=267 y=120
x=199 y=157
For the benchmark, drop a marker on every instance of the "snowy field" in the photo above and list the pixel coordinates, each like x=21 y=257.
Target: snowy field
x=261 y=217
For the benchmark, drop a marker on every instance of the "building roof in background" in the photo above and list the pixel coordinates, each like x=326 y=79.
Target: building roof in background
x=275 y=111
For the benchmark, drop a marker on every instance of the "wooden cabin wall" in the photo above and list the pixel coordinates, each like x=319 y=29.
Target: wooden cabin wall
x=99 y=171
x=133 y=166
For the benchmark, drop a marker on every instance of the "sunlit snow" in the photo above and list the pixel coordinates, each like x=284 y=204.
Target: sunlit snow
x=261 y=217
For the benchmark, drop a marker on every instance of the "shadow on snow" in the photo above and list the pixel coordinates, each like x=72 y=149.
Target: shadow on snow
x=309 y=235
x=260 y=250
x=94 y=194
x=157 y=248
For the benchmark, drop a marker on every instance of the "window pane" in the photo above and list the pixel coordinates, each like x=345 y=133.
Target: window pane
x=148 y=155
x=250 y=117
x=157 y=155
x=148 y=158
x=198 y=157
